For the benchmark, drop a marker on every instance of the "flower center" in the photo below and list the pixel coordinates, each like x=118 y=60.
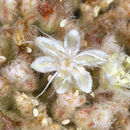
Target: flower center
x=67 y=62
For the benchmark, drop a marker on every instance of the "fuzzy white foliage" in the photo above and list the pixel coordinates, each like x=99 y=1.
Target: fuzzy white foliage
x=20 y=74
x=110 y=45
x=7 y=10
x=29 y=6
x=65 y=105
x=96 y=117
x=68 y=64
x=40 y=120
x=5 y=87
x=103 y=119
x=24 y=103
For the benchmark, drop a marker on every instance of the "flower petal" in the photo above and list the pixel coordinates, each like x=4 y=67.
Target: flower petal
x=91 y=58
x=61 y=83
x=72 y=43
x=44 y=64
x=83 y=79
x=49 y=46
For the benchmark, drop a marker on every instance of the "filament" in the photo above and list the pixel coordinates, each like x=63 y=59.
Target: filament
x=44 y=33
x=47 y=85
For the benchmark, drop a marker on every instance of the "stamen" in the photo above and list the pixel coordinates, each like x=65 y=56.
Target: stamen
x=47 y=85
x=62 y=52
x=44 y=33
x=27 y=41
x=96 y=56
x=56 y=89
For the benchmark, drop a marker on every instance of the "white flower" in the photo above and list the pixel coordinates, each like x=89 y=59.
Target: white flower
x=115 y=74
x=68 y=64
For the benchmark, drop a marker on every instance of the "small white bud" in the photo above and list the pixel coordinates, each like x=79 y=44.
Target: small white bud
x=44 y=122
x=49 y=77
x=28 y=49
x=35 y=112
x=76 y=94
x=63 y=23
x=109 y=1
x=2 y=59
x=65 y=122
x=92 y=94
x=96 y=10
